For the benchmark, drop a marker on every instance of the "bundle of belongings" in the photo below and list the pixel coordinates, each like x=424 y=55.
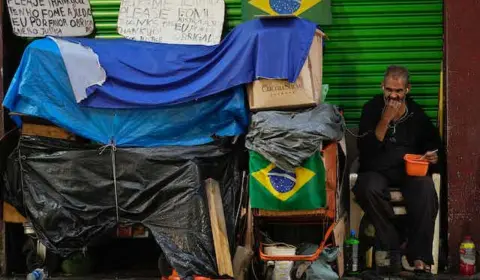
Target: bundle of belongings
x=286 y=167
x=288 y=181
x=152 y=116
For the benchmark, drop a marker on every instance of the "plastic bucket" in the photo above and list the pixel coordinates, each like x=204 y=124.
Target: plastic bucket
x=415 y=166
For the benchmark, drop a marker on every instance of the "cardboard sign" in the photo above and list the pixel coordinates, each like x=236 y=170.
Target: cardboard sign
x=187 y=22
x=62 y=18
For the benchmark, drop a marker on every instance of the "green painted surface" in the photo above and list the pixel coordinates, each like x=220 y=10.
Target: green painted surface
x=366 y=36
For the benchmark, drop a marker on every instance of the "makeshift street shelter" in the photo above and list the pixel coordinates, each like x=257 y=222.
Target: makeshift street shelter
x=158 y=129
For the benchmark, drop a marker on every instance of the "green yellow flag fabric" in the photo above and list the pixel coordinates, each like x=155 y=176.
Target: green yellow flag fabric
x=272 y=188
x=318 y=11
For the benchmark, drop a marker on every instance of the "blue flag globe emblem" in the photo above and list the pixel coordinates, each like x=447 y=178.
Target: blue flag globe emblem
x=285 y=7
x=281 y=180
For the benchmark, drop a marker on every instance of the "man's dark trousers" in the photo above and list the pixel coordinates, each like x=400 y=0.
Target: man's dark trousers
x=372 y=192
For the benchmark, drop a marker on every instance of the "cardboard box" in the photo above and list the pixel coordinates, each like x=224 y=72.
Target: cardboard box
x=305 y=92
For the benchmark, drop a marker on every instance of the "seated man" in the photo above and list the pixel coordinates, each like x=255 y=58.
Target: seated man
x=391 y=126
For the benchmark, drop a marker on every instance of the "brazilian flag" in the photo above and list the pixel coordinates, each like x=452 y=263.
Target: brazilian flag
x=317 y=11
x=272 y=188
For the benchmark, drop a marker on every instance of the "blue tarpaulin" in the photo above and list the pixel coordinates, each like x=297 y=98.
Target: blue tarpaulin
x=41 y=88
x=140 y=74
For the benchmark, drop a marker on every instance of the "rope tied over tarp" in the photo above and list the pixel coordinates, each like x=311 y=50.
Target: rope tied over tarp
x=113 y=150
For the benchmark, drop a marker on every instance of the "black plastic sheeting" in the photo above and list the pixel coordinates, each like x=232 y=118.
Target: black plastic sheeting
x=10 y=170
x=69 y=195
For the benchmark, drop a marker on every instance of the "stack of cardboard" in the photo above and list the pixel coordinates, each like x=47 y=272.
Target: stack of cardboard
x=265 y=94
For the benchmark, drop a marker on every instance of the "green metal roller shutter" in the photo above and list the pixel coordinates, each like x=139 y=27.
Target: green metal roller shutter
x=105 y=14
x=368 y=35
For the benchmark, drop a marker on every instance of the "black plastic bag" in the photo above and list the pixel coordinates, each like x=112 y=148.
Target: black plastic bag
x=10 y=170
x=69 y=195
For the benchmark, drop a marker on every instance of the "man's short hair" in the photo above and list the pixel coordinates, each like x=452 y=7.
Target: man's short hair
x=397 y=72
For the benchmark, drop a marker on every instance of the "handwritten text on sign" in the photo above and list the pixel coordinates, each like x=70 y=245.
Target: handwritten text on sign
x=188 y=22
x=38 y=18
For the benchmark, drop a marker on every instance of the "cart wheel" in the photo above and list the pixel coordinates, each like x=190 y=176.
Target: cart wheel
x=269 y=272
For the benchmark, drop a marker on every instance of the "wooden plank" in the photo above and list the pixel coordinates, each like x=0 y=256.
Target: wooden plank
x=241 y=262
x=249 y=235
x=46 y=131
x=11 y=215
x=339 y=234
x=244 y=255
x=219 y=228
x=330 y=155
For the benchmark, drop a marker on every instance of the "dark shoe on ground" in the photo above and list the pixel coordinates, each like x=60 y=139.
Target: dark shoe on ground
x=388 y=262
x=373 y=275
x=422 y=274
x=370 y=275
x=407 y=274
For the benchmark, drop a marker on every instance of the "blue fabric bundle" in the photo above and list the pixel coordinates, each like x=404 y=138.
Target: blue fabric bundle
x=41 y=88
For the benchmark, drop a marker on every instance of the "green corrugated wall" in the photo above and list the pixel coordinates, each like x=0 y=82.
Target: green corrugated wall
x=366 y=36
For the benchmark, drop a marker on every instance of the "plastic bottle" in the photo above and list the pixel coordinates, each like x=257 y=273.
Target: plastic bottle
x=351 y=254
x=37 y=274
x=467 y=257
